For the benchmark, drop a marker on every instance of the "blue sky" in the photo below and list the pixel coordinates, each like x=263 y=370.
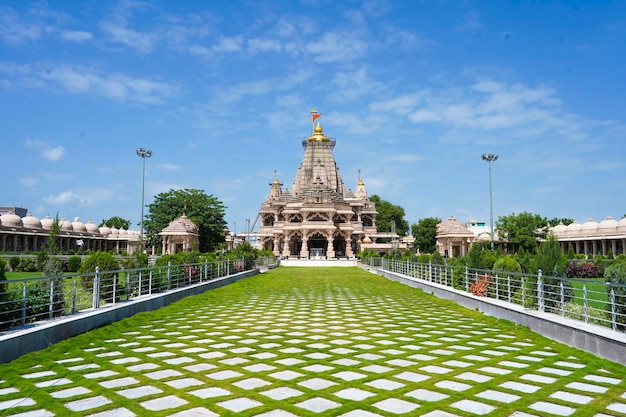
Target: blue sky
x=412 y=91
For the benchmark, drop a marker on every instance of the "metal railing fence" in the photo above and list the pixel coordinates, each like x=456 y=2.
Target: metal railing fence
x=24 y=301
x=588 y=300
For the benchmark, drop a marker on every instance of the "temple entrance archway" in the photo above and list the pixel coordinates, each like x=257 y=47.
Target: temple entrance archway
x=339 y=246
x=295 y=245
x=317 y=244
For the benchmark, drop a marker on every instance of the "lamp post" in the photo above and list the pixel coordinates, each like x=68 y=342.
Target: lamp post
x=490 y=158
x=143 y=153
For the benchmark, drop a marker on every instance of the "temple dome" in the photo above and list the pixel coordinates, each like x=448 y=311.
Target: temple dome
x=608 y=224
x=559 y=229
x=453 y=226
x=182 y=224
x=78 y=226
x=11 y=220
x=590 y=225
x=46 y=223
x=91 y=227
x=105 y=230
x=31 y=221
x=65 y=226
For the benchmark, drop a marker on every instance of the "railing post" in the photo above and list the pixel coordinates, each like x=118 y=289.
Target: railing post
x=430 y=271
x=140 y=284
x=114 y=287
x=585 y=303
x=508 y=287
x=74 y=292
x=169 y=275
x=497 y=287
x=51 y=306
x=562 y=291
x=466 y=278
x=150 y=282
x=24 y=294
x=613 y=310
x=523 y=291
x=96 y=289
x=540 y=291
x=206 y=269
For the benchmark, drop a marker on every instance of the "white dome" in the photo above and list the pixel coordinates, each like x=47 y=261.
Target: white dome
x=105 y=230
x=78 y=226
x=31 y=221
x=608 y=224
x=621 y=225
x=590 y=225
x=559 y=229
x=114 y=231
x=65 y=225
x=46 y=222
x=11 y=219
x=91 y=227
x=122 y=231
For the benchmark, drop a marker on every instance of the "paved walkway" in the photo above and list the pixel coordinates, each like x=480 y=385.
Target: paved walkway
x=332 y=353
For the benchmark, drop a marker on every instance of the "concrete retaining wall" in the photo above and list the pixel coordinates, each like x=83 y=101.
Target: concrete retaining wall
x=43 y=334
x=600 y=341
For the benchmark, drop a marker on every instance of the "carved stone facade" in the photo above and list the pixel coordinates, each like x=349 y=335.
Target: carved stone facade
x=181 y=235
x=318 y=218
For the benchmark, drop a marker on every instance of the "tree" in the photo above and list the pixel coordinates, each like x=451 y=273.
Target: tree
x=204 y=210
x=388 y=213
x=523 y=230
x=555 y=221
x=425 y=234
x=116 y=222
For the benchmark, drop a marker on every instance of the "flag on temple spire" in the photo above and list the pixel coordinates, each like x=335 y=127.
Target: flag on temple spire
x=316 y=116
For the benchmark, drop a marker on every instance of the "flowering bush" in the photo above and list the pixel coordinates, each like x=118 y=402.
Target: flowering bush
x=481 y=286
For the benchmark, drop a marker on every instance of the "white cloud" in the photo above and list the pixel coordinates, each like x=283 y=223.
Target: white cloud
x=88 y=80
x=142 y=42
x=337 y=46
x=15 y=32
x=64 y=197
x=45 y=150
x=76 y=36
x=470 y=24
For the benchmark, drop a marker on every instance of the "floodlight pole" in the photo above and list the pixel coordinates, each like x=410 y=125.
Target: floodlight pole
x=143 y=153
x=490 y=158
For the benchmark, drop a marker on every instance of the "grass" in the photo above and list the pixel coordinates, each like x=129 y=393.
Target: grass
x=22 y=275
x=330 y=324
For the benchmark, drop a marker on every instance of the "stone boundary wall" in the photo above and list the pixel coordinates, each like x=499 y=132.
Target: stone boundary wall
x=23 y=340
x=600 y=341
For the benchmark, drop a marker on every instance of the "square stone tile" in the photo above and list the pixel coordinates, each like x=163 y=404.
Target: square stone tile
x=385 y=384
x=142 y=367
x=88 y=403
x=276 y=413
x=473 y=407
x=116 y=412
x=411 y=376
x=353 y=394
x=396 y=406
x=162 y=374
x=346 y=362
x=317 y=355
x=139 y=392
x=239 y=404
x=349 y=375
x=200 y=367
x=571 y=397
x=317 y=383
x=318 y=405
x=184 y=383
x=210 y=392
x=617 y=407
x=502 y=397
x=163 y=403
x=251 y=383
x=434 y=369
x=554 y=371
x=195 y=412
x=377 y=369
x=70 y=392
x=52 y=382
x=222 y=375
x=518 y=386
x=551 y=408
x=119 y=382
x=359 y=413
x=453 y=385
x=427 y=395
x=285 y=375
x=317 y=368
x=472 y=376
x=602 y=379
x=582 y=386
x=289 y=361
x=259 y=367
x=538 y=378
x=282 y=393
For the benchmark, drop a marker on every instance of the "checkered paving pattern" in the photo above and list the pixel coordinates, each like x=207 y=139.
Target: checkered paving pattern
x=341 y=353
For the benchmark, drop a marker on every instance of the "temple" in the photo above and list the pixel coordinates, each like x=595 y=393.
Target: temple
x=318 y=218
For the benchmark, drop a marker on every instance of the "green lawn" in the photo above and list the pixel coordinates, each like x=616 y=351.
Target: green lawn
x=21 y=275
x=312 y=342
